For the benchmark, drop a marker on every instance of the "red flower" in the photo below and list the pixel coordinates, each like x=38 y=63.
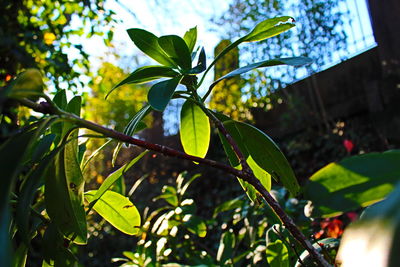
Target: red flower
x=348 y=145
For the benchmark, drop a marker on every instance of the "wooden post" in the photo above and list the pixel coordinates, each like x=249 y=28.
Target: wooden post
x=386 y=25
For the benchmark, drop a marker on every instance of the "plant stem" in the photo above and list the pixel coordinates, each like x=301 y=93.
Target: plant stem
x=246 y=174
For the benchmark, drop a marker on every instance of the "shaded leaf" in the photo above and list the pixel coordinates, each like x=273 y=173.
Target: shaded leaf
x=229 y=205
x=148 y=44
x=175 y=47
x=161 y=93
x=353 y=182
x=201 y=63
x=266 y=154
x=117 y=210
x=134 y=123
x=226 y=247
x=292 y=61
x=64 y=184
x=146 y=74
x=27 y=84
x=260 y=173
x=194 y=130
x=11 y=154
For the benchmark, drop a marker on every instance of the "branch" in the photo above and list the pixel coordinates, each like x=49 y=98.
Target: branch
x=246 y=174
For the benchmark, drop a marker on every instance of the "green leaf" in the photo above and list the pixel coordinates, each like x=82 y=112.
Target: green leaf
x=176 y=48
x=194 y=130
x=43 y=147
x=11 y=155
x=20 y=256
x=269 y=28
x=226 y=247
x=28 y=83
x=60 y=99
x=169 y=194
x=190 y=38
x=292 y=61
x=264 y=30
x=161 y=93
x=113 y=177
x=195 y=225
x=354 y=182
x=148 y=44
x=377 y=232
x=266 y=154
x=117 y=210
x=27 y=194
x=201 y=63
x=229 y=205
x=277 y=254
x=146 y=74
x=64 y=185
x=134 y=124
x=259 y=173
x=94 y=154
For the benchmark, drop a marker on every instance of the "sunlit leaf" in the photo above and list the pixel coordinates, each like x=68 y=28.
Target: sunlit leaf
x=176 y=48
x=269 y=28
x=148 y=44
x=190 y=38
x=161 y=93
x=146 y=74
x=264 y=30
x=195 y=225
x=277 y=254
x=194 y=130
x=169 y=194
x=353 y=182
x=113 y=177
x=117 y=210
x=20 y=256
x=373 y=240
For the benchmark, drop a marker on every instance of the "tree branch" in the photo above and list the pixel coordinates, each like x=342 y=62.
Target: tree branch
x=246 y=174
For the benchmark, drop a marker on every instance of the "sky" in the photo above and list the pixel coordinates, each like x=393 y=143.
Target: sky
x=177 y=16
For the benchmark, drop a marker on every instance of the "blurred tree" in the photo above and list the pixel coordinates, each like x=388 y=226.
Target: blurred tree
x=220 y=99
x=39 y=33
x=116 y=111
